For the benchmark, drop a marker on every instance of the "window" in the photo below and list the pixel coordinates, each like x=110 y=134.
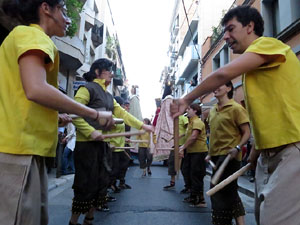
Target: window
x=279 y=14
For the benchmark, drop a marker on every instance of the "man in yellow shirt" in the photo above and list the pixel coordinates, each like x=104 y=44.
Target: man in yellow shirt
x=29 y=105
x=194 y=160
x=271 y=86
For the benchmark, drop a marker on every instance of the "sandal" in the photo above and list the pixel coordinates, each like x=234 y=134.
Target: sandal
x=73 y=223
x=88 y=221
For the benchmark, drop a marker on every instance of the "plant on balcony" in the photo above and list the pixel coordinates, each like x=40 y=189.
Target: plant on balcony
x=111 y=47
x=217 y=31
x=74 y=7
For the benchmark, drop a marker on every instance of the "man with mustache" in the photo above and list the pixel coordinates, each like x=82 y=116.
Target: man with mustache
x=271 y=85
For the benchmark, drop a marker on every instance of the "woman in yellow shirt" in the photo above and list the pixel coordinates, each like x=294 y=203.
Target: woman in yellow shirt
x=91 y=152
x=29 y=105
x=229 y=131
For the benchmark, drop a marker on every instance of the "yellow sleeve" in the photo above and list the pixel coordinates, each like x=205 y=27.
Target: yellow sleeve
x=269 y=47
x=198 y=125
x=83 y=97
x=241 y=116
x=129 y=119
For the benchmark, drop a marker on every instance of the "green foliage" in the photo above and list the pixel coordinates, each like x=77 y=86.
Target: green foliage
x=111 y=46
x=74 y=7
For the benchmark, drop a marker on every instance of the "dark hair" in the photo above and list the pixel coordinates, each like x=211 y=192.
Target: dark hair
x=148 y=122
x=246 y=14
x=26 y=11
x=100 y=64
x=196 y=107
x=230 y=93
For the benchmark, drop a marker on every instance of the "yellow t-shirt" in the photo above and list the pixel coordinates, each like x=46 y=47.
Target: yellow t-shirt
x=183 y=122
x=117 y=141
x=26 y=127
x=84 y=130
x=224 y=127
x=199 y=145
x=145 y=136
x=272 y=94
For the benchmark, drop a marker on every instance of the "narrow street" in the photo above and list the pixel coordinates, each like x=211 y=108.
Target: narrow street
x=145 y=204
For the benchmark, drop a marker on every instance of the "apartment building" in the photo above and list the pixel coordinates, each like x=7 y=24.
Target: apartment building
x=96 y=38
x=282 y=21
x=196 y=44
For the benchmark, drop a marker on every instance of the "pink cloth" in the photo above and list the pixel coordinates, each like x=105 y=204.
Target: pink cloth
x=163 y=131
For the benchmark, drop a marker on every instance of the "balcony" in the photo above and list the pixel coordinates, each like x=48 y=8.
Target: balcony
x=97 y=34
x=71 y=52
x=189 y=61
x=187 y=38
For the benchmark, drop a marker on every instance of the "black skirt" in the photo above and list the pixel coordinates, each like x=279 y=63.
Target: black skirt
x=226 y=203
x=91 y=177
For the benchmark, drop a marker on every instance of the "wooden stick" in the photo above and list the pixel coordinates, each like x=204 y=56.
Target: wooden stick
x=123 y=134
x=122 y=147
x=220 y=171
x=138 y=141
x=164 y=149
x=176 y=141
x=117 y=120
x=228 y=180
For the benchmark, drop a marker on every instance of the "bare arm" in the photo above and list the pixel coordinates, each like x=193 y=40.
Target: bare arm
x=245 y=130
x=244 y=63
x=36 y=88
x=191 y=140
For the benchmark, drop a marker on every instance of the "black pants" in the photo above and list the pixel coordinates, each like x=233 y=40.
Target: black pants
x=145 y=157
x=120 y=163
x=194 y=168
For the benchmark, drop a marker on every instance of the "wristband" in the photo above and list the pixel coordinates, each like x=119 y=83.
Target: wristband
x=238 y=148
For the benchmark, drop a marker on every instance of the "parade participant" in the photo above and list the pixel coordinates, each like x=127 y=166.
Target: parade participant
x=271 y=86
x=144 y=155
x=229 y=130
x=29 y=105
x=91 y=152
x=196 y=151
x=120 y=158
x=183 y=122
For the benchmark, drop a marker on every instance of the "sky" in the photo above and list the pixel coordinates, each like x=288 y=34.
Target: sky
x=143 y=30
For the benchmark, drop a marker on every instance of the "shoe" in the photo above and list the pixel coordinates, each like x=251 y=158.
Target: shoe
x=73 y=223
x=144 y=173
x=185 y=191
x=149 y=172
x=252 y=179
x=103 y=208
x=169 y=187
x=115 y=188
x=124 y=186
x=189 y=199
x=201 y=204
x=110 y=198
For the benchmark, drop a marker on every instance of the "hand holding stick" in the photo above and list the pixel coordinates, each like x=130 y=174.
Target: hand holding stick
x=220 y=171
x=212 y=164
x=228 y=180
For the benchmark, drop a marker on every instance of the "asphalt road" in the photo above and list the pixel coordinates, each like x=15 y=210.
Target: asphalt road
x=145 y=204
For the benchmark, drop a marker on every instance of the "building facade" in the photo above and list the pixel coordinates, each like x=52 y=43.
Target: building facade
x=282 y=21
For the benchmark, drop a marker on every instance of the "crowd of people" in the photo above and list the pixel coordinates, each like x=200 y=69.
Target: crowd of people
x=30 y=62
